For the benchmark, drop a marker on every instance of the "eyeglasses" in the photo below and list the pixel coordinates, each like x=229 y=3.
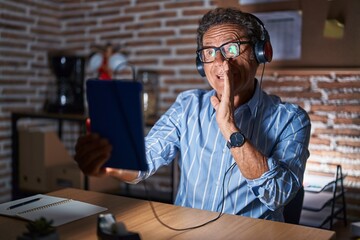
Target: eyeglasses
x=229 y=50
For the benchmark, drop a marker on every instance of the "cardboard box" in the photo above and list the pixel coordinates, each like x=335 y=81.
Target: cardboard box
x=46 y=165
x=65 y=176
x=39 y=151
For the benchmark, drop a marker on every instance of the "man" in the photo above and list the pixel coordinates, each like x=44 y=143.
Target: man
x=241 y=150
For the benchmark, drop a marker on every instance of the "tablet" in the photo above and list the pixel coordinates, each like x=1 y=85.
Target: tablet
x=116 y=113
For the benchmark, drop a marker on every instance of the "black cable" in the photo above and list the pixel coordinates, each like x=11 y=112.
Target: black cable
x=193 y=227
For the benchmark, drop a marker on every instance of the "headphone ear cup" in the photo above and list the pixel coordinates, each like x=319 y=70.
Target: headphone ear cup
x=263 y=51
x=200 y=67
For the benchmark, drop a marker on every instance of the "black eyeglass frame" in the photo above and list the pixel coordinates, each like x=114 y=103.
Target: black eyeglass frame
x=238 y=42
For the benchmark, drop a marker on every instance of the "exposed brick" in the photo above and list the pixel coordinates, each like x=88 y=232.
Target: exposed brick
x=116 y=36
x=43 y=13
x=298 y=94
x=140 y=9
x=187 y=31
x=42 y=31
x=12 y=91
x=17 y=18
x=158 y=15
x=183 y=81
x=338 y=131
x=143 y=43
x=191 y=72
x=143 y=25
x=13 y=63
x=336 y=108
x=145 y=62
x=319 y=141
x=303 y=84
x=119 y=4
x=186 y=51
x=103 y=29
x=119 y=20
x=157 y=33
x=196 y=12
x=347 y=143
x=17 y=72
x=82 y=40
x=338 y=85
x=157 y=52
x=181 y=41
x=104 y=13
x=68 y=16
x=12 y=26
x=343 y=96
x=333 y=154
x=347 y=121
x=15 y=82
x=43 y=6
x=9 y=53
x=181 y=22
x=72 y=7
x=18 y=9
x=81 y=23
x=174 y=62
x=317 y=118
x=19 y=36
x=185 y=4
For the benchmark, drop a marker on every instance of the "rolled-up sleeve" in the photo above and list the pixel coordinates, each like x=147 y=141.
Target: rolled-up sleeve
x=286 y=162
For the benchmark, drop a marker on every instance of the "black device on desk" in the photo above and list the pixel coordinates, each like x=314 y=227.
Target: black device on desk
x=116 y=113
x=109 y=229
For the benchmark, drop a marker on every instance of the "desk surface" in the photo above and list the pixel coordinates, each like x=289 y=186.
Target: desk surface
x=138 y=217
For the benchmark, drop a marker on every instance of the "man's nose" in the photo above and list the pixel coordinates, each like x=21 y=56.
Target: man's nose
x=219 y=58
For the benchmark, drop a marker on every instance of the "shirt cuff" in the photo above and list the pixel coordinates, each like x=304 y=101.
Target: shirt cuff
x=139 y=177
x=256 y=184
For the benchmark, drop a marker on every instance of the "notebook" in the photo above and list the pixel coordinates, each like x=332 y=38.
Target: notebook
x=60 y=210
x=116 y=113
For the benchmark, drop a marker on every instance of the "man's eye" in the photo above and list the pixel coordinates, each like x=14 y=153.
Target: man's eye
x=210 y=52
x=233 y=50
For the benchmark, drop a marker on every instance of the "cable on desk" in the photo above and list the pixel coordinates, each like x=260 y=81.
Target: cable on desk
x=196 y=226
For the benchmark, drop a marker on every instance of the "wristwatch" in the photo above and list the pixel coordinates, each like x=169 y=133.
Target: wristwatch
x=237 y=139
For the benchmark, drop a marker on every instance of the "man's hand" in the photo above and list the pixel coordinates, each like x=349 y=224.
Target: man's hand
x=92 y=152
x=225 y=106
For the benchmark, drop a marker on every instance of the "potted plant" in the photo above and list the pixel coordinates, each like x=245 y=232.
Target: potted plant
x=40 y=229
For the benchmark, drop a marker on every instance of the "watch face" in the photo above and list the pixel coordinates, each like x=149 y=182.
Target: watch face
x=237 y=139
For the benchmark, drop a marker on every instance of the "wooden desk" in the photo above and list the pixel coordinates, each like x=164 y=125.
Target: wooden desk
x=138 y=217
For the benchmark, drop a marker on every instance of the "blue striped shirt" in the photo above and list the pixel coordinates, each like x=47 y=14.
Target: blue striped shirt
x=278 y=130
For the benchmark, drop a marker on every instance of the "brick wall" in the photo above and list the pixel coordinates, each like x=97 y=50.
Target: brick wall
x=160 y=35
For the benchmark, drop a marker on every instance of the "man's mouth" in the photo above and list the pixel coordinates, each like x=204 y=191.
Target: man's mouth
x=220 y=77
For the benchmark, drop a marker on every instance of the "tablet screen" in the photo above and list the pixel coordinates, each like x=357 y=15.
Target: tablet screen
x=116 y=113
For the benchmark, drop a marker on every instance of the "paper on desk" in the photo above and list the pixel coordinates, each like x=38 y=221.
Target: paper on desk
x=60 y=210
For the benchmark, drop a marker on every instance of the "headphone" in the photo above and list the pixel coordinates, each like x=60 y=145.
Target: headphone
x=262 y=49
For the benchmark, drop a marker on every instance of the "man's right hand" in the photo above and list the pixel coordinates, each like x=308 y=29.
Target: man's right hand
x=92 y=152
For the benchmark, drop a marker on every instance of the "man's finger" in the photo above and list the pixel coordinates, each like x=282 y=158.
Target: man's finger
x=227 y=83
x=214 y=102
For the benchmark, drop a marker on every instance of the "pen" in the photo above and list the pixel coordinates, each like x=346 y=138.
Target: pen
x=23 y=203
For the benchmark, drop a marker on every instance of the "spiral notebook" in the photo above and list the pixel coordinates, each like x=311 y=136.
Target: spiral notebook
x=60 y=210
